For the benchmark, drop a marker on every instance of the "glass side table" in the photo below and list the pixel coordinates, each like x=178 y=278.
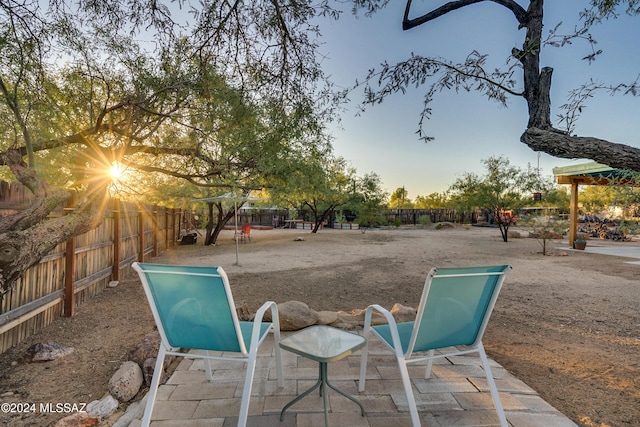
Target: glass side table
x=323 y=344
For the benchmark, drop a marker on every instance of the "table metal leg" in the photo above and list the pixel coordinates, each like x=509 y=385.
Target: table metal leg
x=322 y=383
x=306 y=393
x=325 y=392
x=351 y=398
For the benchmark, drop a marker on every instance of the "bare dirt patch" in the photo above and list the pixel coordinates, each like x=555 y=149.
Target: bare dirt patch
x=567 y=324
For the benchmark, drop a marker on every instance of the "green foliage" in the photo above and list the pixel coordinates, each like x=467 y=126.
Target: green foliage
x=618 y=193
x=503 y=188
x=545 y=227
x=400 y=199
x=432 y=201
x=631 y=227
x=318 y=184
x=557 y=197
x=216 y=100
x=424 y=220
x=366 y=199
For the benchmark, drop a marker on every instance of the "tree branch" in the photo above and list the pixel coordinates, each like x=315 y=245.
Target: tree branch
x=561 y=144
x=407 y=24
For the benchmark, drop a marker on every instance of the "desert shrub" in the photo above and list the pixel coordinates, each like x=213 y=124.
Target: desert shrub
x=424 y=220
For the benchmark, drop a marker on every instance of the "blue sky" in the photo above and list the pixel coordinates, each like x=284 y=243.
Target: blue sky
x=467 y=127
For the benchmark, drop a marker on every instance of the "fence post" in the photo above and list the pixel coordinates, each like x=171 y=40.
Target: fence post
x=70 y=270
x=117 y=236
x=140 y=233
x=166 y=229
x=155 y=230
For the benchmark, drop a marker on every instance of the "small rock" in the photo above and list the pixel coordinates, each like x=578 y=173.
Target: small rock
x=103 y=408
x=299 y=239
x=42 y=352
x=79 y=419
x=126 y=382
x=149 y=368
x=113 y=284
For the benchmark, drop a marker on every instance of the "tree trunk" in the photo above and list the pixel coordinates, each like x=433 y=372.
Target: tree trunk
x=540 y=134
x=20 y=249
x=221 y=221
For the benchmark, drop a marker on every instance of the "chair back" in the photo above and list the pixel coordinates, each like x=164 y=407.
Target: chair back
x=246 y=228
x=192 y=306
x=455 y=306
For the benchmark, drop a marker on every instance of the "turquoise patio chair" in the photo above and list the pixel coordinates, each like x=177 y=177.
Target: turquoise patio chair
x=194 y=310
x=452 y=316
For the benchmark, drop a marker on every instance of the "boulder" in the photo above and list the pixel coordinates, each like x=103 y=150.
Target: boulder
x=242 y=309
x=146 y=349
x=327 y=317
x=126 y=382
x=42 y=352
x=346 y=321
x=144 y=354
x=355 y=318
x=513 y=234
x=149 y=368
x=296 y=315
x=103 y=408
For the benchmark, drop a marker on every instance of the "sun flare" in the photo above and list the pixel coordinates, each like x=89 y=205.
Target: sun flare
x=116 y=171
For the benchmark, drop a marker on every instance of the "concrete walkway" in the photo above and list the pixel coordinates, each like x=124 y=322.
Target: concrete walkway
x=620 y=249
x=456 y=395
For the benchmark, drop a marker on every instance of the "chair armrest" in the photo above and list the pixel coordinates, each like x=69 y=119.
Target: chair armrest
x=393 y=326
x=275 y=320
x=262 y=310
x=368 y=315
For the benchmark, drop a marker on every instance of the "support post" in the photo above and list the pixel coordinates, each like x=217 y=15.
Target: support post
x=140 y=233
x=70 y=270
x=573 y=213
x=166 y=229
x=154 y=222
x=117 y=240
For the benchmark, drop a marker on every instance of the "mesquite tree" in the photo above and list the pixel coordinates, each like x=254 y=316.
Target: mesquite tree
x=534 y=85
x=206 y=91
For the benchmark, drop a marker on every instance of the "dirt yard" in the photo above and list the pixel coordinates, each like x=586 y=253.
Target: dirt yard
x=567 y=324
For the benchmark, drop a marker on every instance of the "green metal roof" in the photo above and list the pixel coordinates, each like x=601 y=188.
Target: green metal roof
x=582 y=169
x=594 y=170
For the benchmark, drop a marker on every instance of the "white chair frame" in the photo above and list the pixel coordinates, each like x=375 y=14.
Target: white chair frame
x=406 y=358
x=248 y=357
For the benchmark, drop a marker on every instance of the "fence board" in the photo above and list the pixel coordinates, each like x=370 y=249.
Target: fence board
x=38 y=297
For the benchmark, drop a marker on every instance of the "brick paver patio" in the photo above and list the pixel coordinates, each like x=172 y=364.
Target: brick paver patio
x=456 y=395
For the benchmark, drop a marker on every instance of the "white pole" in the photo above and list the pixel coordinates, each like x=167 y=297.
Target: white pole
x=235 y=207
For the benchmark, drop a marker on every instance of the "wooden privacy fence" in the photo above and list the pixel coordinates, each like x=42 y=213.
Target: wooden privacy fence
x=412 y=216
x=77 y=270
